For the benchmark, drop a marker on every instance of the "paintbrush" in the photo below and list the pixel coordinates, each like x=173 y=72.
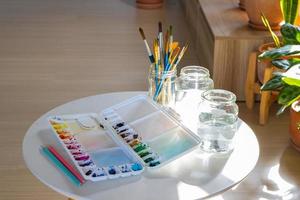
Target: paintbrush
x=173 y=57
x=166 y=55
x=171 y=34
x=160 y=39
x=151 y=58
x=156 y=53
x=173 y=46
x=170 y=44
x=180 y=56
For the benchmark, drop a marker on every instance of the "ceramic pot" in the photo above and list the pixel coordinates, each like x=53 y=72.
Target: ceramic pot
x=242 y=4
x=261 y=66
x=295 y=124
x=270 y=8
x=149 y=4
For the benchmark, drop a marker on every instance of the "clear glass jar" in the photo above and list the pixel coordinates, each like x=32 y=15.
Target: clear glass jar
x=217 y=121
x=162 y=86
x=193 y=80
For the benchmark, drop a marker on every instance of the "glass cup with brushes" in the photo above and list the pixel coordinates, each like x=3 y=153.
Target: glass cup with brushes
x=163 y=66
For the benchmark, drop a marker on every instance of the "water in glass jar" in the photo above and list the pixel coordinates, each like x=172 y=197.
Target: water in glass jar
x=187 y=106
x=217 y=130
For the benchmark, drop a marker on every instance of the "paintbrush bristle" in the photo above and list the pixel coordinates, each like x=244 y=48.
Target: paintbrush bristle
x=159 y=27
x=186 y=45
x=142 y=33
x=171 y=30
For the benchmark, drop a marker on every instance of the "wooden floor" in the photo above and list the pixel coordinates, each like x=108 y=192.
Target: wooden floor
x=53 y=51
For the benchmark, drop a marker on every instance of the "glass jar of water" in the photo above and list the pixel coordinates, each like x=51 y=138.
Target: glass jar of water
x=193 y=80
x=217 y=123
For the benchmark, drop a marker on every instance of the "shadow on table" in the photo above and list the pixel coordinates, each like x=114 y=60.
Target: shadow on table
x=279 y=181
x=194 y=168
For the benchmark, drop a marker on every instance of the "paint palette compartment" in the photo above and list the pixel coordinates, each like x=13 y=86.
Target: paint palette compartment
x=124 y=139
x=148 y=131
x=93 y=152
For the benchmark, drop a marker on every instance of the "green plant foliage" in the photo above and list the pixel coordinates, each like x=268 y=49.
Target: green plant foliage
x=274 y=83
x=288 y=94
x=267 y=25
x=285 y=64
x=288 y=50
x=289 y=9
x=291 y=81
x=290 y=34
x=281 y=109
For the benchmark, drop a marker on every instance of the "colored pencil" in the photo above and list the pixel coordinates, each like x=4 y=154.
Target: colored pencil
x=45 y=151
x=150 y=55
x=66 y=164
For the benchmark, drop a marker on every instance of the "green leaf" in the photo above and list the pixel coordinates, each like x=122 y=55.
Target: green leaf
x=267 y=25
x=290 y=34
x=288 y=94
x=291 y=81
x=285 y=64
x=274 y=83
x=281 y=109
x=288 y=50
x=289 y=9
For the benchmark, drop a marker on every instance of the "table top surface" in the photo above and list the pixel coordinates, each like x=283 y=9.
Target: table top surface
x=196 y=175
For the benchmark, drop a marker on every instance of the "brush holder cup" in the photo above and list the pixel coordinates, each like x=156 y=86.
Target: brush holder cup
x=162 y=86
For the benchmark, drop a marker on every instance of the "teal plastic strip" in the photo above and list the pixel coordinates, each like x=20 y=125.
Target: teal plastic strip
x=60 y=166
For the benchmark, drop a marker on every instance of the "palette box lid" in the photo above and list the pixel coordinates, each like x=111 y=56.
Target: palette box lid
x=152 y=133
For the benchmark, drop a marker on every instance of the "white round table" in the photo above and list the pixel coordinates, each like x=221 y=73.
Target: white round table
x=194 y=176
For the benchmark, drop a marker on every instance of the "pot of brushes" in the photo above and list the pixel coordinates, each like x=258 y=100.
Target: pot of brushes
x=163 y=66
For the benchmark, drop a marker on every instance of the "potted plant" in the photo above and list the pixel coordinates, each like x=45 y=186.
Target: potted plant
x=289 y=10
x=287 y=83
x=149 y=4
x=271 y=9
x=242 y=4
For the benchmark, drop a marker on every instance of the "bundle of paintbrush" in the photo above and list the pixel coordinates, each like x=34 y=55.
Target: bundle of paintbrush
x=164 y=60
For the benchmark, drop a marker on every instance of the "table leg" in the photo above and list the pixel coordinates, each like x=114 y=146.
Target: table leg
x=265 y=100
x=250 y=81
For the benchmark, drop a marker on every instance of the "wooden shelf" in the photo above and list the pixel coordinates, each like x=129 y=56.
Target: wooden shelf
x=223 y=40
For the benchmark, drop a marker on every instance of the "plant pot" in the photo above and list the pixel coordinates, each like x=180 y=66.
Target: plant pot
x=149 y=4
x=261 y=66
x=270 y=8
x=242 y=4
x=295 y=124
